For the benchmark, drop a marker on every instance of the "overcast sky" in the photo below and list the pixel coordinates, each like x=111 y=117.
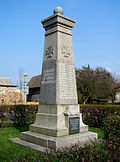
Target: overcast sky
x=96 y=34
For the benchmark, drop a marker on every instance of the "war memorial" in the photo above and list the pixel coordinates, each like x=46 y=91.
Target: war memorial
x=58 y=121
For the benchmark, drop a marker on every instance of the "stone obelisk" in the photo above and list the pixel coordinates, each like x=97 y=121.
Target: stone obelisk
x=58 y=121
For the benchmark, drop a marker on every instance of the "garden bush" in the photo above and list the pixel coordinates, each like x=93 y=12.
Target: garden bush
x=5 y=115
x=73 y=154
x=111 y=126
x=19 y=115
x=24 y=115
x=93 y=115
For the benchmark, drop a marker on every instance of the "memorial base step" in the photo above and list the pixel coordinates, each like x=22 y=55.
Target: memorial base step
x=42 y=142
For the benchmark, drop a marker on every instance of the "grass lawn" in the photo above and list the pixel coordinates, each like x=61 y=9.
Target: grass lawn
x=97 y=130
x=10 y=151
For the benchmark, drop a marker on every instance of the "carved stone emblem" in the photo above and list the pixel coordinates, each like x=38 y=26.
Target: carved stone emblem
x=49 y=52
x=66 y=51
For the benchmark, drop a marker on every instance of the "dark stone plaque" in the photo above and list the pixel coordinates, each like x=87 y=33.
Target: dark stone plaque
x=74 y=125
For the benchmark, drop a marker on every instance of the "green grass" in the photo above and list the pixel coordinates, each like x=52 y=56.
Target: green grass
x=97 y=130
x=10 y=152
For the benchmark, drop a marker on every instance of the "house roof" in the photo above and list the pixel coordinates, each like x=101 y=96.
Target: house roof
x=6 y=82
x=8 y=85
x=35 y=82
x=116 y=87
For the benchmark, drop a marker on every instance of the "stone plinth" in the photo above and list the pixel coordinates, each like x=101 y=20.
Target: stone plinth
x=42 y=142
x=58 y=121
x=53 y=120
x=52 y=129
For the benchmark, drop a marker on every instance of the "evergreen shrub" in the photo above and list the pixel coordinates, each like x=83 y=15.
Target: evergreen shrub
x=5 y=115
x=24 y=115
x=93 y=115
x=111 y=126
x=19 y=115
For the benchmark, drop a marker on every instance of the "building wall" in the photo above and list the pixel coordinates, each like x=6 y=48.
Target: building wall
x=10 y=95
x=34 y=94
x=117 y=97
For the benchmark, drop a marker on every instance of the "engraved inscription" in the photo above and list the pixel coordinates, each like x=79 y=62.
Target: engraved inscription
x=48 y=76
x=74 y=125
x=66 y=81
x=49 y=52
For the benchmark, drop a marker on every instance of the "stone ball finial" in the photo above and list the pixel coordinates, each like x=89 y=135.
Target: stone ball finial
x=58 y=10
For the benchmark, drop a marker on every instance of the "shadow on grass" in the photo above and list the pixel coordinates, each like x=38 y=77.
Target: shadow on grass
x=21 y=128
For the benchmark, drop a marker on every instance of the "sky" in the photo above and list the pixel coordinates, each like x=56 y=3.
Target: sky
x=96 y=34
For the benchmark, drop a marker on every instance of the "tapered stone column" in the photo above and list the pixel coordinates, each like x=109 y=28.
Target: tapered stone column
x=58 y=72
x=58 y=121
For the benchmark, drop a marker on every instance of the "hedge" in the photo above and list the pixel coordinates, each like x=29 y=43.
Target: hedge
x=111 y=126
x=93 y=115
x=19 y=115
x=5 y=115
x=23 y=115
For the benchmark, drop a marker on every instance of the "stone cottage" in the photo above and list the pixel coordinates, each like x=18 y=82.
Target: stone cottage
x=9 y=93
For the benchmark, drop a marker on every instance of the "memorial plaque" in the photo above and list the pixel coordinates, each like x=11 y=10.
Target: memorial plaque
x=74 y=125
